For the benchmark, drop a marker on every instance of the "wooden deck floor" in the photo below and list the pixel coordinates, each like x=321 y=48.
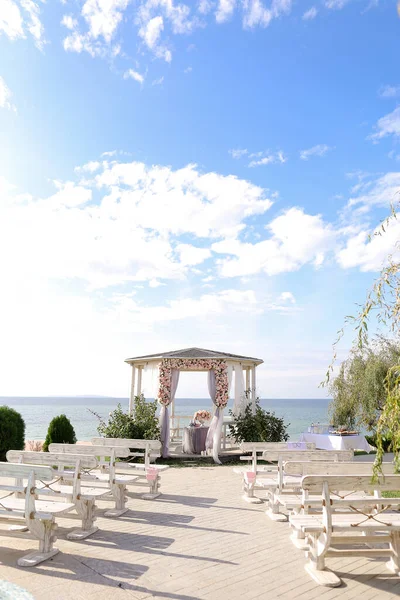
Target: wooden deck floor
x=198 y=541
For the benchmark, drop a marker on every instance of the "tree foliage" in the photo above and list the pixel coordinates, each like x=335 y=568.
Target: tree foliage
x=382 y=302
x=12 y=431
x=60 y=431
x=263 y=426
x=359 y=390
x=142 y=424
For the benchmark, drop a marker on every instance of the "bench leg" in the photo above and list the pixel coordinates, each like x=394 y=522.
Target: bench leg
x=248 y=495
x=273 y=510
x=44 y=530
x=394 y=545
x=118 y=491
x=86 y=510
x=154 y=490
x=316 y=563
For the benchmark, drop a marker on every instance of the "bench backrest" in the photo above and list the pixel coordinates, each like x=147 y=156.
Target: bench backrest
x=51 y=459
x=334 y=468
x=137 y=444
x=315 y=483
x=149 y=449
x=257 y=449
x=101 y=451
x=261 y=446
x=24 y=471
x=306 y=455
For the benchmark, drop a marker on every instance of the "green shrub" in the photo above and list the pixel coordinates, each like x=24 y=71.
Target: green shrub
x=60 y=431
x=12 y=431
x=386 y=442
x=141 y=425
x=263 y=426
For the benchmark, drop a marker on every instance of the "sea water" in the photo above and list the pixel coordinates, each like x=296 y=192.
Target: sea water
x=38 y=412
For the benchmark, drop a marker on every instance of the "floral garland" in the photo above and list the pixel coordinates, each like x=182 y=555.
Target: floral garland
x=192 y=364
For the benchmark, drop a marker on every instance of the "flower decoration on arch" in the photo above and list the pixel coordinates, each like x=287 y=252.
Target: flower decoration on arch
x=219 y=367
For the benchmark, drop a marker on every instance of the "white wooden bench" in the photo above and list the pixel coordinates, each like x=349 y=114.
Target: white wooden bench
x=261 y=480
x=256 y=449
x=301 y=502
x=284 y=482
x=37 y=516
x=347 y=527
x=149 y=474
x=116 y=482
x=67 y=477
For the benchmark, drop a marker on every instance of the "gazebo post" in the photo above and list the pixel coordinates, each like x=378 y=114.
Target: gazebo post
x=139 y=381
x=132 y=394
x=247 y=378
x=253 y=389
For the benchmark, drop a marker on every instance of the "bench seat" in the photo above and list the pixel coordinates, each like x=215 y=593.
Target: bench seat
x=390 y=520
x=118 y=479
x=42 y=506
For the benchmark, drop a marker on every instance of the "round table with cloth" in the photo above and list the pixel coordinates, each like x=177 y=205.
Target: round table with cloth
x=10 y=591
x=194 y=440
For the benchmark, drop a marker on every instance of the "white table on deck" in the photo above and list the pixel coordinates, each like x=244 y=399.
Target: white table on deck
x=325 y=441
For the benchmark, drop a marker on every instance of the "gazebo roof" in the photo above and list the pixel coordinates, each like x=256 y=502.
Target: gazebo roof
x=194 y=353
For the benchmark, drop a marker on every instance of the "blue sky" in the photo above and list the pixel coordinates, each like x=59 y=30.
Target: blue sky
x=190 y=174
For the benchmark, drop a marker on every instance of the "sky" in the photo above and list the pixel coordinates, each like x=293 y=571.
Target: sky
x=178 y=174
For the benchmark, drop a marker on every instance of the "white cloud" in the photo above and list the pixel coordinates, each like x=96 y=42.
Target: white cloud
x=188 y=70
x=287 y=297
x=336 y=4
x=131 y=74
x=387 y=125
x=238 y=152
x=151 y=31
x=310 y=14
x=34 y=24
x=5 y=96
x=158 y=81
x=285 y=250
x=389 y=91
x=205 y=6
x=69 y=22
x=123 y=225
x=277 y=157
x=318 y=150
x=191 y=255
x=224 y=10
x=371 y=253
x=11 y=22
x=376 y=192
x=91 y=167
x=18 y=17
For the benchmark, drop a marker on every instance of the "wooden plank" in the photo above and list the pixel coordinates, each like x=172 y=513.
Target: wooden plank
x=89 y=450
x=51 y=458
x=130 y=443
x=333 y=468
x=307 y=455
x=23 y=471
x=313 y=483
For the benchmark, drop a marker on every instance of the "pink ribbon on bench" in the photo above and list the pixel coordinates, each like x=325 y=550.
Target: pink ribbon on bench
x=151 y=474
x=250 y=477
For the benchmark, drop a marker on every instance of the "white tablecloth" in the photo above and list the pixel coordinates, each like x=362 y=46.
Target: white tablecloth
x=337 y=442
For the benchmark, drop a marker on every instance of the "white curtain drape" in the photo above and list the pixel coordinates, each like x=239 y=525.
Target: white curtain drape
x=239 y=403
x=214 y=433
x=150 y=377
x=230 y=374
x=164 y=414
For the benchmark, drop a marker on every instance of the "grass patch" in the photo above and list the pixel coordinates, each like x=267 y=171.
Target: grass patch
x=391 y=494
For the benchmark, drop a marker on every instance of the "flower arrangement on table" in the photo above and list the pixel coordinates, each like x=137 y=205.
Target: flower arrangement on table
x=201 y=416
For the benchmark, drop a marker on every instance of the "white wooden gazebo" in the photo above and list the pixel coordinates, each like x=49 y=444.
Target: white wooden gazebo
x=220 y=367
